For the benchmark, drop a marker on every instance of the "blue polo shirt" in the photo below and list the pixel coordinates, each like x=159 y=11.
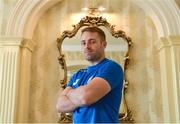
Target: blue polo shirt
x=106 y=110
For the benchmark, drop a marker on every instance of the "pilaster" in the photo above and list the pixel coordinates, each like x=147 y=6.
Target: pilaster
x=15 y=59
x=169 y=50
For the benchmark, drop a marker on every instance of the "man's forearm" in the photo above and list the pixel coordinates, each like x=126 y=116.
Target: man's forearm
x=64 y=104
x=88 y=94
x=76 y=95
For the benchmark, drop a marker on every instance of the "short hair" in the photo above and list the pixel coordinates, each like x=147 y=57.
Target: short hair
x=95 y=29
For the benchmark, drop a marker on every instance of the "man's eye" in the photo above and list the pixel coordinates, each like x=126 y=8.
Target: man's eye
x=92 y=42
x=83 y=43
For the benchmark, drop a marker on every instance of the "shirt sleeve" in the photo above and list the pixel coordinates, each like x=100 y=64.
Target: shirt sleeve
x=71 y=81
x=112 y=73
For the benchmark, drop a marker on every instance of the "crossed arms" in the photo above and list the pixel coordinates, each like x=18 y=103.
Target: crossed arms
x=85 y=95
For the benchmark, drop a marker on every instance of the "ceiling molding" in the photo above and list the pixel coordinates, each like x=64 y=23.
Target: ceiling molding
x=23 y=19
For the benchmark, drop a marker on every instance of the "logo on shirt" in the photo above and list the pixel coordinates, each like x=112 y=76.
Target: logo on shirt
x=89 y=79
x=76 y=82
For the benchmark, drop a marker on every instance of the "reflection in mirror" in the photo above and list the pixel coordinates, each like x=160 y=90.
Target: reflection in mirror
x=71 y=57
x=116 y=49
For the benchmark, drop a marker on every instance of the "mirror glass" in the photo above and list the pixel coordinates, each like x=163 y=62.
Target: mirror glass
x=116 y=49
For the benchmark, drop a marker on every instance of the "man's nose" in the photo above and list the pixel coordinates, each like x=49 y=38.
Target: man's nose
x=88 y=45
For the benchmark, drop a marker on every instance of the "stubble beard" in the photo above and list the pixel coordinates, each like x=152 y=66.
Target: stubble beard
x=93 y=58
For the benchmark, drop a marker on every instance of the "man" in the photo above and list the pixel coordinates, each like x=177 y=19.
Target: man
x=93 y=94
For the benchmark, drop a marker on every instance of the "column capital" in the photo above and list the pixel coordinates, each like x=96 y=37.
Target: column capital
x=168 y=42
x=17 y=41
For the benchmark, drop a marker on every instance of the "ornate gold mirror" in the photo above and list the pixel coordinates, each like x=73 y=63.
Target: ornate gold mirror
x=71 y=59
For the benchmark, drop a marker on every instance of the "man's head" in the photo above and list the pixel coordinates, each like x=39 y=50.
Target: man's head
x=97 y=30
x=93 y=42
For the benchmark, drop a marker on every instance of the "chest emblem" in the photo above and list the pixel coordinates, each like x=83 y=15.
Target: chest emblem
x=76 y=82
x=89 y=79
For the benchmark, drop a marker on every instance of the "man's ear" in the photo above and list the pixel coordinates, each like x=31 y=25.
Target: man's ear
x=105 y=44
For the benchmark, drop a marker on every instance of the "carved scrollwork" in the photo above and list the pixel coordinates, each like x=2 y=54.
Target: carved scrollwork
x=65 y=118
x=63 y=66
x=96 y=21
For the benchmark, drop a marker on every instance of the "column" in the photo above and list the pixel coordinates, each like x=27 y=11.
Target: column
x=169 y=50
x=15 y=63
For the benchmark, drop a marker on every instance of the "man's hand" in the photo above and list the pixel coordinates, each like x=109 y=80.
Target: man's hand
x=64 y=104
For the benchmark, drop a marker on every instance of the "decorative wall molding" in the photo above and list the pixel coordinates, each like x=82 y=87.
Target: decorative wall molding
x=15 y=59
x=26 y=14
x=17 y=41
x=11 y=41
x=164 y=14
x=169 y=50
x=1 y=14
x=9 y=63
x=168 y=42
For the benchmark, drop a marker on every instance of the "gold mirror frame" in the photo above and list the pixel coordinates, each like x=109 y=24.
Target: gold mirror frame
x=96 y=21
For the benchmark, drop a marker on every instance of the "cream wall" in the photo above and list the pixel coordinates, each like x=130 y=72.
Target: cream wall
x=30 y=71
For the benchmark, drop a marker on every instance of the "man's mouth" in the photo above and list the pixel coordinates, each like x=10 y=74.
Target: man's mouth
x=88 y=52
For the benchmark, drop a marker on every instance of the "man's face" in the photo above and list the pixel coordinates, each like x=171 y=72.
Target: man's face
x=92 y=46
